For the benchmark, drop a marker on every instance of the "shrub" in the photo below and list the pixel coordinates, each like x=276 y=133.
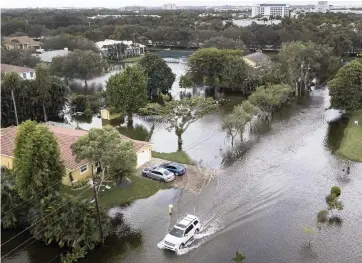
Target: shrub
x=322 y=216
x=336 y=191
x=79 y=184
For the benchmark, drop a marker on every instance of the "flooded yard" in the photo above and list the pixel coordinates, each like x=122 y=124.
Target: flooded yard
x=257 y=200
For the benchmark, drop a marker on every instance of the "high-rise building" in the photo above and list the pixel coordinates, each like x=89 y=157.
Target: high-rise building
x=322 y=6
x=170 y=7
x=270 y=9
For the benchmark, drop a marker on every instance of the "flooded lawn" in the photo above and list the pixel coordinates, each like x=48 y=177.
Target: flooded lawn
x=258 y=201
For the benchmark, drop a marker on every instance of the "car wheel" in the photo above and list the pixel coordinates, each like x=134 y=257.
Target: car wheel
x=163 y=180
x=182 y=246
x=197 y=231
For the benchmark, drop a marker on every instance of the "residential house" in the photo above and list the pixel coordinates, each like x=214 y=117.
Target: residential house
x=117 y=49
x=24 y=73
x=22 y=42
x=256 y=59
x=66 y=137
x=48 y=56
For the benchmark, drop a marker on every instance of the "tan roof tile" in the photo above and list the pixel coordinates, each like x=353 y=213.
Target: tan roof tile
x=65 y=136
x=6 y=68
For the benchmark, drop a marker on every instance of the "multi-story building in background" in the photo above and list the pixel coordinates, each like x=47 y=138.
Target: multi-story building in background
x=270 y=10
x=170 y=7
x=322 y=7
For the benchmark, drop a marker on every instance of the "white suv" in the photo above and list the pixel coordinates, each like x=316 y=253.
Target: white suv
x=182 y=233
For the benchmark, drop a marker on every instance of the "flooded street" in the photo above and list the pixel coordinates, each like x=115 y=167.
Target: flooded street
x=262 y=195
x=261 y=203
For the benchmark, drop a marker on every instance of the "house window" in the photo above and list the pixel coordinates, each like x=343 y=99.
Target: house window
x=83 y=168
x=24 y=75
x=31 y=74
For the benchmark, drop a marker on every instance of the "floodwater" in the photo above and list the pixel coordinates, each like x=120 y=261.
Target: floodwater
x=260 y=203
x=264 y=193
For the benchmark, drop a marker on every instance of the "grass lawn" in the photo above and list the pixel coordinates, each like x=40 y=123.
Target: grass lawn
x=140 y=188
x=131 y=59
x=179 y=157
x=351 y=147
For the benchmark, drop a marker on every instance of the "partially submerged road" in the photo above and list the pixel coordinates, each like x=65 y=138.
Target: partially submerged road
x=260 y=204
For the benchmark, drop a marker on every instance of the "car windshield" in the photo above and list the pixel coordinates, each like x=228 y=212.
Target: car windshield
x=176 y=232
x=166 y=172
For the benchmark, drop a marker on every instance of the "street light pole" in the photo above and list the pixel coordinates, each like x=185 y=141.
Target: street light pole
x=97 y=207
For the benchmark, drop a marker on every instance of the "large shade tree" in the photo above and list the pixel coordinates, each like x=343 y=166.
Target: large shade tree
x=302 y=62
x=105 y=146
x=37 y=164
x=17 y=57
x=346 y=87
x=180 y=114
x=268 y=98
x=221 y=42
x=235 y=73
x=235 y=122
x=159 y=75
x=206 y=66
x=82 y=64
x=126 y=91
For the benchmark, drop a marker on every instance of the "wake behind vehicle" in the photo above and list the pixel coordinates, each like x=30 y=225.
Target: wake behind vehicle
x=175 y=168
x=182 y=233
x=158 y=173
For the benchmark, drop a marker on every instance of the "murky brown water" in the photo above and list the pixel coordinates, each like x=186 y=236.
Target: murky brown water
x=259 y=201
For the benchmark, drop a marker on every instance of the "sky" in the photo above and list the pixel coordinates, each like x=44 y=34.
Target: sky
x=121 y=3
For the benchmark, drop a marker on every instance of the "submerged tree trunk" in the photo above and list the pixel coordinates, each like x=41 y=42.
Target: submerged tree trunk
x=85 y=82
x=15 y=110
x=296 y=89
x=179 y=138
x=129 y=119
x=179 y=143
x=45 y=113
x=232 y=141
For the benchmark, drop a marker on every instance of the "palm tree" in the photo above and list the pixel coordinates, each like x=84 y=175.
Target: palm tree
x=12 y=82
x=43 y=85
x=239 y=257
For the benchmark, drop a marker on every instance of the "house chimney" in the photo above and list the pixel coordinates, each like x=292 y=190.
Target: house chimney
x=66 y=49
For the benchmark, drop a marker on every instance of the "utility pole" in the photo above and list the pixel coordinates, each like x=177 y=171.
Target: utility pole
x=97 y=207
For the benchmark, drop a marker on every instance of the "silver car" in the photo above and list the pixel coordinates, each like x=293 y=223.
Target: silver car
x=158 y=173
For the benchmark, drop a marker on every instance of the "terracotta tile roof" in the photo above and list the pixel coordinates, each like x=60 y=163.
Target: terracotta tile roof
x=6 y=68
x=257 y=57
x=65 y=136
x=21 y=40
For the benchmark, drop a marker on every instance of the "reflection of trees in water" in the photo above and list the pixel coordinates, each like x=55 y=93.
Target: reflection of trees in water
x=137 y=132
x=86 y=90
x=236 y=153
x=335 y=133
x=123 y=240
x=82 y=118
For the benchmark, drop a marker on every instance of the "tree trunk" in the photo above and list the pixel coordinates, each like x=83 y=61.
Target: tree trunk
x=85 y=82
x=179 y=143
x=129 y=119
x=296 y=89
x=45 y=113
x=232 y=141
x=15 y=110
